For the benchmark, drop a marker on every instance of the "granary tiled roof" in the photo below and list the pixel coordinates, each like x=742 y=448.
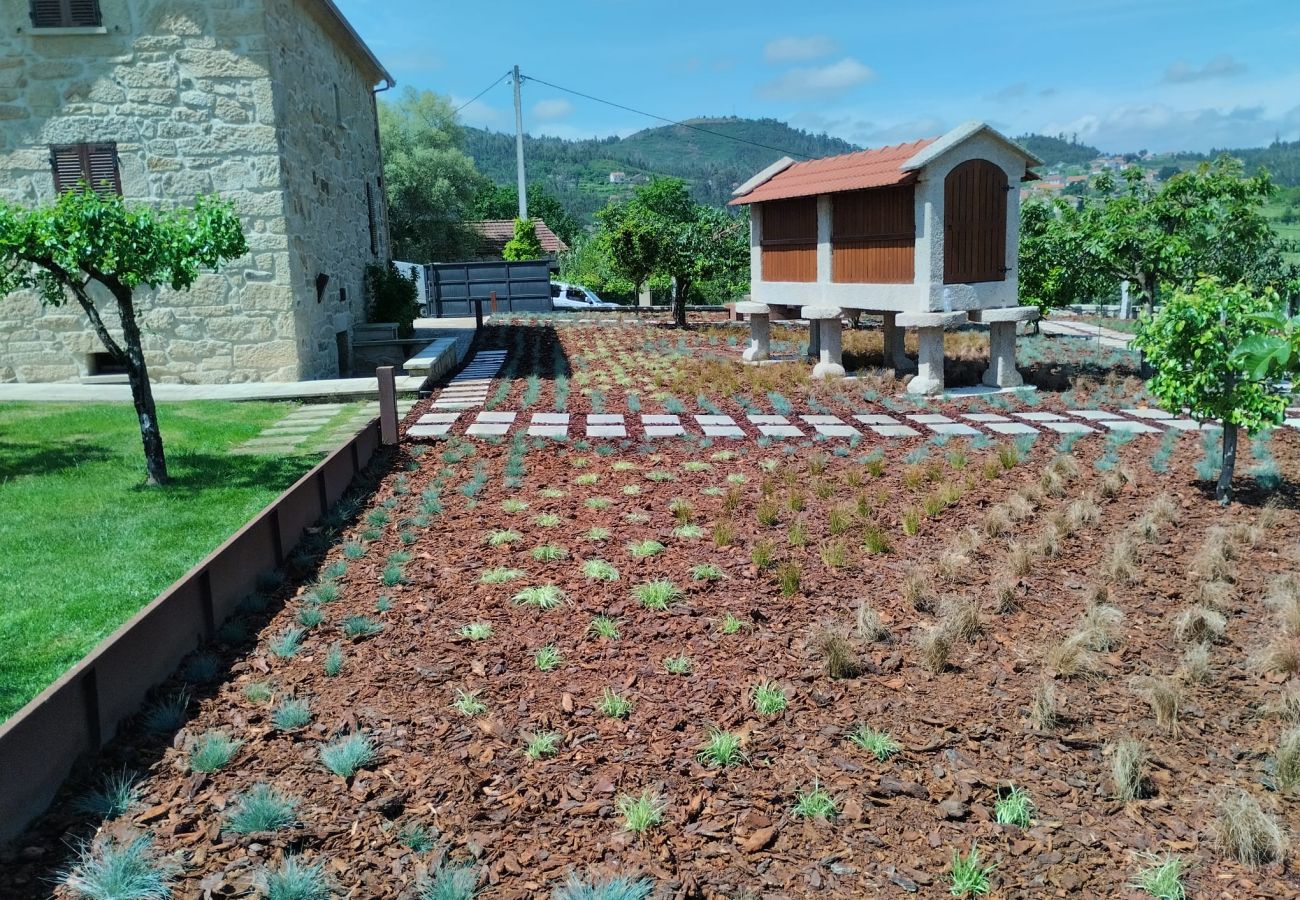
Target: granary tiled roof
x=881 y=167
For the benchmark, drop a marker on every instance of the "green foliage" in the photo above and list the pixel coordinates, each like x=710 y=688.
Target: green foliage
x=1272 y=351
x=548 y=658
x=109 y=869
x=681 y=664
x=815 y=804
x=657 y=594
x=576 y=887
x=969 y=878
x=525 y=244
x=614 y=706
x=878 y=743
x=291 y=714
x=722 y=749
x=476 y=631
x=768 y=698
x=542 y=745
x=360 y=626
x=116 y=793
x=645 y=548
x=391 y=297
x=1162 y=878
x=347 y=755
x=212 y=750
x=604 y=626
x=415 y=836
x=501 y=201
x=263 y=808
x=333 y=664
x=599 y=570
x=546 y=596
x=1056 y=267
x=169 y=713
x=467 y=703
x=295 y=880
x=500 y=575
x=449 y=882
x=1013 y=807
x=640 y=813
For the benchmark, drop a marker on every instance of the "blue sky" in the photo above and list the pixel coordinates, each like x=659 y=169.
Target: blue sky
x=1122 y=74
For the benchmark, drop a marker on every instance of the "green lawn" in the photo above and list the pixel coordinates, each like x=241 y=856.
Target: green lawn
x=83 y=544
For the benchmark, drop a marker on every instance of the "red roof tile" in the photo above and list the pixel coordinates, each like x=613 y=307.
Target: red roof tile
x=498 y=232
x=849 y=172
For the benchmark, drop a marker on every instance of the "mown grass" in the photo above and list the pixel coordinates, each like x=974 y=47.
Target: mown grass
x=84 y=545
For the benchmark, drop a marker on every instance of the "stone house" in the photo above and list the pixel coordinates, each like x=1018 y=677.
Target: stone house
x=924 y=234
x=268 y=103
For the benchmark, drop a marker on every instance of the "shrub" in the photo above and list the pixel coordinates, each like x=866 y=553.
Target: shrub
x=878 y=743
x=391 y=297
x=109 y=869
x=295 y=880
x=291 y=714
x=815 y=804
x=212 y=750
x=347 y=755
x=263 y=808
x=640 y=813
x=722 y=749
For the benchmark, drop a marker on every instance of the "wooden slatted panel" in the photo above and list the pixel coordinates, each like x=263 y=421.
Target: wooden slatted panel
x=65 y=13
x=370 y=219
x=84 y=13
x=873 y=236
x=94 y=164
x=68 y=163
x=975 y=223
x=790 y=240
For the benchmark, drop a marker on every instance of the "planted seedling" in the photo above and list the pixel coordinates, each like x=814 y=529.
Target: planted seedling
x=291 y=714
x=1162 y=878
x=476 y=631
x=333 y=664
x=690 y=531
x=109 y=868
x=644 y=549
x=212 y=750
x=117 y=792
x=549 y=553
x=604 y=626
x=730 y=624
x=545 y=596
x=836 y=654
x=656 y=594
x=506 y=536
x=414 y=836
x=548 y=658
x=360 y=626
x=768 y=698
x=815 y=804
x=257 y=692
x=1128 y=767
x=599 y=570
x=640 y=813
x=262 y=808
x=613 y=706
x=1013 y=807
x=347 y=755
x=681 y=664
x=707 y=572
x=310 y=616
x=598 y=503
x=467 y=703
x=500 y=575
x=878 y=743
x=542 y=745
x=1246 y=832
x=722 y=749
x=295 y=880
x=969 y=878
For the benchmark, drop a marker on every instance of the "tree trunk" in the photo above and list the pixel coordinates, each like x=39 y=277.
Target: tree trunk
x=155 y=462
x=1223 y=490
x=680 y=288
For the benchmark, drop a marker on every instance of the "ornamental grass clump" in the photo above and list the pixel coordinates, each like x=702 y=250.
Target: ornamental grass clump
x=262 y=808
x=500 y=575
x=542 y=745
x=546 y=596
x=291 y=714
x=294 y=879
x=467 y=703
x=1162 y=878
x=212 y=750
x=1128 y=769
x=1247 y=833
x=657 y=594
x=577 y=887
x=333 y=663
x=111 y=869
x=347 y=755
x=722 y=749
x=548 y=658
x=448 y=882
x=115 y=794
x=768 y=698
x=836 y=653
x=1013 y=807
x=644 y=549
x=476 y=631
x=815 y=804
x=599 y=570
x=360 y=626
x=969 y=878
x=605 y=627
x=613 y=706
x=640 y=812
x=878 y=743
x=680 y=664
x=549 y=553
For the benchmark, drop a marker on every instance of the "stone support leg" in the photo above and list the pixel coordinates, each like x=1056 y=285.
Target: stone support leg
x=814 y=339
x=895 y=350
x=929 y=362
x=760 y=335
x=830 y=361
x=1002 y=371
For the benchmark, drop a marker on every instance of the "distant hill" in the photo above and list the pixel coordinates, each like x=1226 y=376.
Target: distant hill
x=1057 y=151
x=578 y=171
x=1281 y=158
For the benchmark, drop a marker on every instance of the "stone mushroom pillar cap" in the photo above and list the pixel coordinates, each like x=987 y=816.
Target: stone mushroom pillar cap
x=821 y=312
x=1004 y=314
x=930 y=319
x=750 y=308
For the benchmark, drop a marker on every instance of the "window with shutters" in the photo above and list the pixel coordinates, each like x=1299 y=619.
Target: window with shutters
x=66 y=14
x=873 y=236
x=975 y=223
x=370 y=218
x=94 y=164
x=790 y=240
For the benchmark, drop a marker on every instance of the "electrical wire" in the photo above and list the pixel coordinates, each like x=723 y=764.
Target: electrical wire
x=641 y=112
x=494 y=83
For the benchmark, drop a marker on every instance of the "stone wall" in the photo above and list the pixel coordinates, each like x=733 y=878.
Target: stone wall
x=187 y=89
x=329 y=153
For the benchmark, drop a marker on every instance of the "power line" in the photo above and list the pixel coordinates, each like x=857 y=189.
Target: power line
x=641 y=112
x=494 y=83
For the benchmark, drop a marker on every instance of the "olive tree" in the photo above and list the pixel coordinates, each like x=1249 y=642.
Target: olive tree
x=1192 y=344
x=85 y=243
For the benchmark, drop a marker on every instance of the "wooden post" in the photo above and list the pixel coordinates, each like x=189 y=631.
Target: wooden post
x=478 y=313
x=493 y=297
x=387 y=405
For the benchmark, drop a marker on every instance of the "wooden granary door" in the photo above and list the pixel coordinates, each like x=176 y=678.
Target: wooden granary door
x=975 y=223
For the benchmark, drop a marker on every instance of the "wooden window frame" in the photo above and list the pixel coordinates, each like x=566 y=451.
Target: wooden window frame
x=774 y=250
x=966 y=270
x=70 y=13
x=372 y=220
x=85 y=155
x=903 y=242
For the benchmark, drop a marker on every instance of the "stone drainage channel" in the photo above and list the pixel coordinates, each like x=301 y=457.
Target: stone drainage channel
x=469 y=389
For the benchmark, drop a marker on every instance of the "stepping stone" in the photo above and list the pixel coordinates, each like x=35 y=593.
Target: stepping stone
x=548 y=429
x=606 y=431
x=779 y=431
x=1186 y=424
x=1011 y=428
x=1130 y=425
x=1041 y=417
x=723 y=431
x=437 y=418
x=660 y=420
x=960 y=429
x=1291 y=423
x=895 y=431
x=664 y=430
x=985 y=417
x=496 y=418
x=551 y=419
x=715 y=420
x=1148 y=413
x=605 y=419
x=436 y=430
x=488 y=429
x=453 y=404
x=759 y=419
x=1094 y=415
x=875 y=419
x=1067 y=427
x=929 y=418
x=831 y=426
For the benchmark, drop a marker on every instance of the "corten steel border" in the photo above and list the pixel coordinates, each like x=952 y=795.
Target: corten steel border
x=80 y=712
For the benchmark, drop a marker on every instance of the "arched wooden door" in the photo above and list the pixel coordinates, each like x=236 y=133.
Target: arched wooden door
x=975 y=223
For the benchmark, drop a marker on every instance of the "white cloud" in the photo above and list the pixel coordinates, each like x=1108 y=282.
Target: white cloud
x=869 y=133
x=817 y=82
x=1224 y=66
x=479 y=114
x=799 y=49
x=1159 y=126
x=549 y=110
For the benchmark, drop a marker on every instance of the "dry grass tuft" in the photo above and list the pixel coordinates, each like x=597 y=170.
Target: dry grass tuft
x=1200 y=624
x=1284 y=597
x=961 y=618
x=1019 y=562
x=1071 y=658
x=997 y=522
x=1247 y=534
x=1287 y=759
x=868 y=623
x=1018 y=507
x=1196 y=664
x=836 y=654
x=1005 y=595
x=1121 y=564
x=918 y=591
x=1281 y=657
x=1164 y=699
x=1043 y=713
x=1065 y=466
x=1113 y=483
x=1214 y=560
x=1287 y=708
x=1163 y=509
x=1247 y=833
x=1099 y=626
x=1128 y=769
x=935 y=646
x=1215 y=594
x=1051 y=483
x=952 y=565
x=1048 y=542
x=1082 y=512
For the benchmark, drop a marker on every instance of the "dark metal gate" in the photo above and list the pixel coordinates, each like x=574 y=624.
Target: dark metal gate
x=518 y=286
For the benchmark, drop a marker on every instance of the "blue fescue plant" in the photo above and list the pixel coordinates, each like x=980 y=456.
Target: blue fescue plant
x=294 y=879
x=577 y=887
x=347 y=755
x=110 y=869
x=449 y=882
x=114 y=795
x=262 y=808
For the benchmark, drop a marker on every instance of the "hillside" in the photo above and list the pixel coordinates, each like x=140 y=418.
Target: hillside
x=1057 y=150
x=578 y=171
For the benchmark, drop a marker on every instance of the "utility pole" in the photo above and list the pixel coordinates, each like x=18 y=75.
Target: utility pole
x=519 y=150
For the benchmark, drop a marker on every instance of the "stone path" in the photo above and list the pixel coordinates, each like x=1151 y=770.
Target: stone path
x=316 y=428
x=559 y=426
x=468 y=389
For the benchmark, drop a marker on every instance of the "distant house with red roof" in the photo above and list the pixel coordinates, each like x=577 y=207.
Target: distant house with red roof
x=494 y=234
x=923 y=233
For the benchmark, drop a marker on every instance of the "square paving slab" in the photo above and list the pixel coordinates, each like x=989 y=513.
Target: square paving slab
x=895 y=431
x=985 y=417
x=655 y=431
x=1011 y=428
x=496 y=417
x=605 y=419
x=550 y=431
x=876 y=419
x=1147 y=412
x=929 y=418
x=769 y=420
x=660 y=420
x=488 y=429
x=428 y=431
x=1130 y=425
x=550 y=418
x=437 y=417
x=1094 y=415
x=780 y=431
x=723 y=431
x=606 y=431
x=1068 y=427
x=1040 y=417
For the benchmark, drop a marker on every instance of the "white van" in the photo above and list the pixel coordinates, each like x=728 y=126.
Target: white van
x=575 y=296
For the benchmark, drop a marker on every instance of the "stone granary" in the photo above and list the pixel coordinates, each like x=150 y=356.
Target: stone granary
x=923 y=234
x=268 y=103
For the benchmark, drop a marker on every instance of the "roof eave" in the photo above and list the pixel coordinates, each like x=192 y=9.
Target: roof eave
x=358 y=45
x=761 y=178
x=961 y=133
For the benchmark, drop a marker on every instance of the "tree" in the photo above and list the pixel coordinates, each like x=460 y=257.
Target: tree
x=1192 y=345
x=392 y=297
x=85 y=239
x=525 y=244
x=660 y=230
x=497 y=201
x=430 y=181
x=1056 y=267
